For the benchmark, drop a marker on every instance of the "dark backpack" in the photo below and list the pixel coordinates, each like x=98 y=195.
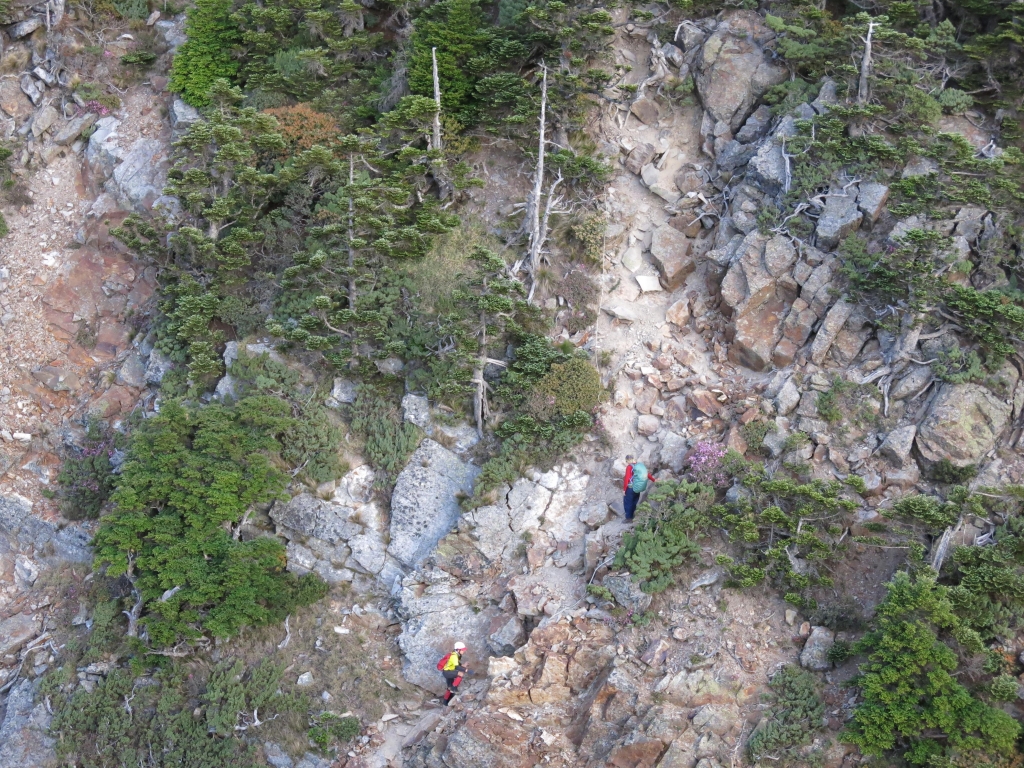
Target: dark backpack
x=442 y=662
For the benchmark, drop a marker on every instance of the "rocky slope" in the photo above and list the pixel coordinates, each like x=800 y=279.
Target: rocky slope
x=709 y=324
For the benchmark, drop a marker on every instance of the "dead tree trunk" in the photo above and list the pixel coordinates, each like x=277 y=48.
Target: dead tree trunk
x=480 y=397
x=351 y=237
x=436 y=143
x=863 y=85
x=136 y=611
x=533 y=208
x=544 y=228
x=445 y=188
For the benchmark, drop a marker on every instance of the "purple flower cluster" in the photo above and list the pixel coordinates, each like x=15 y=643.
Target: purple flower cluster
x=705 y=464
x=95 y=106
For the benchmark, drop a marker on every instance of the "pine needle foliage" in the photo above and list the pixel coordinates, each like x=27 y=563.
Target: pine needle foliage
x=792 y=719
x=207 y=53
x=191 y=475
x=911 y=698
x=122 y=723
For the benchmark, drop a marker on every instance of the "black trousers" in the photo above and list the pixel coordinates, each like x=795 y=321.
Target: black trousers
x=452 y=679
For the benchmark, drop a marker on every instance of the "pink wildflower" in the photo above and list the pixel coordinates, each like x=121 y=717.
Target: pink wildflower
x=706 y=464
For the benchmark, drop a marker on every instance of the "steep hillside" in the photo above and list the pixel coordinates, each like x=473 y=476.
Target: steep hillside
x=327 y=328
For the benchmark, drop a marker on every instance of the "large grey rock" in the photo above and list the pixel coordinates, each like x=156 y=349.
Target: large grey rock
x=44 y=120
x=132 y=372
x=748 y=279
x=639 y=157
x=183 y=115
x=416 y=410
x=24 y=28
x=74 y=128
x=18 y=630
x=435 y=615
x=751 y=289
x=963 y=424
x=627 y=592
x=173 y=32
x=425 y=501
x=767 y=168
x=734 y=155
x=756 y=125
x=898 y=443
x=306 y=515
x=104 y=152
x=32 y=88
x=912 y=383
x=815 y=653
x=342 y=393
x=25 y=741
x=733 y=70
x=157 y=366
x=840 y=217
x=788 y=398
x=871 y=199
x=139 y=180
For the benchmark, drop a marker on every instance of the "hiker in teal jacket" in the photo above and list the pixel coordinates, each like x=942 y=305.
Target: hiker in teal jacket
x=634 y=484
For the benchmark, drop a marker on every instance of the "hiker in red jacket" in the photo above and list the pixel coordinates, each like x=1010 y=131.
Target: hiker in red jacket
x=634 y=484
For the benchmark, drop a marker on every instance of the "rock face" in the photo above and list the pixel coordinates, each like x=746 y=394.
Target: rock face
x=516 y=560
x=759 y=300
x=425 y=502
x=839 y=218
x=24 y=740
x=340 y=537
x=140 y=178
x=962 y=425
x=733 y=69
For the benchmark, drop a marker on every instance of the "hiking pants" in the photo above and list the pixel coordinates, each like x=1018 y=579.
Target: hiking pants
x=629 y=502
x=452 y=679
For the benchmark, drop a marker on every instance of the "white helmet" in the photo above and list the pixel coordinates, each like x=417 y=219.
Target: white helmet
x=460 y=646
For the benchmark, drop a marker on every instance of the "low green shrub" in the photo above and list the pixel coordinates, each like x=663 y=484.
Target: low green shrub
x=206 y=54
x=388 y=440
x=1004 y=688
x=945 y=471
x=791 y=721
x=190 y=478
x=327 y=728
x=930 y=511
x=183 y=715
x=754 y=432
x=672 y=512
x=87 y=477
x=911 y=701
x=957 y=366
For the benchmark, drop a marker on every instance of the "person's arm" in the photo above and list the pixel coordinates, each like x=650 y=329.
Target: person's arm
x=651 y=477
x=627 y=478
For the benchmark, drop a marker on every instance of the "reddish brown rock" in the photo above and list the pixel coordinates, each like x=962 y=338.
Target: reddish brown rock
x=670 y=252
x=705 y=402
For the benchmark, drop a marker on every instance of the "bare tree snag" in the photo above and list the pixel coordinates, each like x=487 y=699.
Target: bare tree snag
x=351 y=237
x=533 y=206
x=436 y=143
x=136 y=611
x=863 y=85
x=480 y=396
x=863 y=88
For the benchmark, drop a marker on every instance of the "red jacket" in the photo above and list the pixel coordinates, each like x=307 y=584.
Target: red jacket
x=629 y=477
